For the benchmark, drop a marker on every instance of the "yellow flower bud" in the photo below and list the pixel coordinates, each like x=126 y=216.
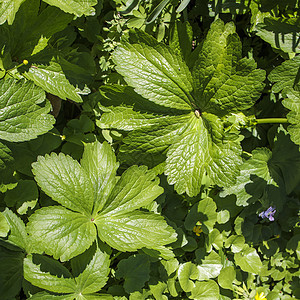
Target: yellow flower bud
x=25 y=62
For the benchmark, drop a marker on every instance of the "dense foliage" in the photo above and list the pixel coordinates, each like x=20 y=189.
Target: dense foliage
x=149 y=149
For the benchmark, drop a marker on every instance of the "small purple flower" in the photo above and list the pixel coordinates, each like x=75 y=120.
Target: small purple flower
x=269 y=213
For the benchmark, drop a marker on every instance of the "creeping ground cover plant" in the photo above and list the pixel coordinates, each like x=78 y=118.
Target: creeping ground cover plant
x=149 y=149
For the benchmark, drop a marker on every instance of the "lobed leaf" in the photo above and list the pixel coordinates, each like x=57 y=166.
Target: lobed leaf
x=248 y=260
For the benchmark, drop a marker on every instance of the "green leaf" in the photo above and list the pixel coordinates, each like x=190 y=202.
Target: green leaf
x=203 y=212
x=268 y=175
x=47 y=296
x=209 y=267
x=7 y=168
x=223 y=216
x=286 y=75
x=60 y=232
x=236 y=242
x=285 y=160
x=181 y=36
x=292 y=102
x=158 y=289
x=182 y=6
x=8 y=10
x=254 y=178
x=76 y=7
x=248 y=260
x=11 y=272
x=126 y=110
x=202 y=149
x=146 y=145
x=205 y=290
x=4 y=227
x=280 y=33
x=136 y=188
x=223 y=80
x=34 y=28
x=18 y=235
x=23 y=196
x=156 y=11
x=45 y=280
x=198 y=145
x=65 y=181
x=227 y=277
x=100 y=164
x=95 y=275
x=134 y=230
x=24 y=116
x=54 y=81
x=215 y=239
x=135 y=270
x=78 y=188
x=156 y=74
x=186 y=272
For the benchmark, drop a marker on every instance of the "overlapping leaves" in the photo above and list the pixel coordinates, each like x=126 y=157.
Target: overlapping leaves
x=268 y=175
x=60 y=280
x=94 y=199
x=188 y=130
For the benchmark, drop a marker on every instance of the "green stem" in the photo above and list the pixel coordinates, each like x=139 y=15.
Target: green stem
x=271 y=120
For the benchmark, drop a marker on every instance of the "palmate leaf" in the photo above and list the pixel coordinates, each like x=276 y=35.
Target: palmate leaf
x=92 y=196
x=190 y=135
x=24 y=114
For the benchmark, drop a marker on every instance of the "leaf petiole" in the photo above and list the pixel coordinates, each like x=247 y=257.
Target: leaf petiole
x=271 y=120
